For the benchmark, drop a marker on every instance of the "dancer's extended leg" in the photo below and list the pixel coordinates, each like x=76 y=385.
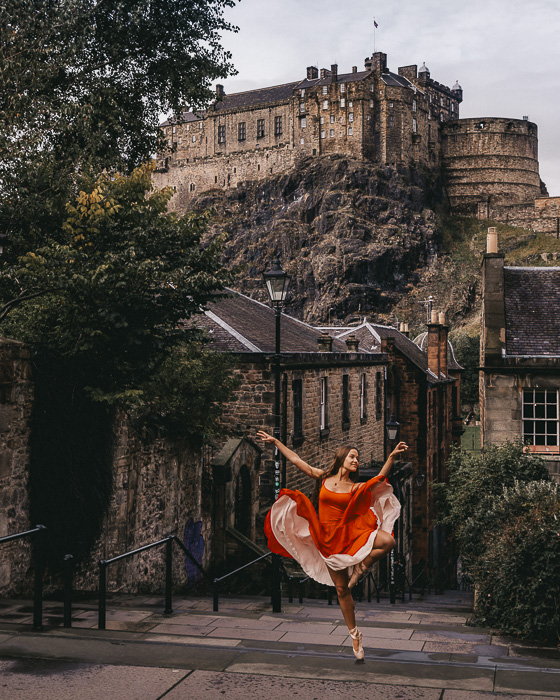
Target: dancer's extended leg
x=382 y=545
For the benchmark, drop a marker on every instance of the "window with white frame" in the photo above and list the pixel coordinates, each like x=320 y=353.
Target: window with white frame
x=350 y=131
x=323 y=134
x=342 y=87
x=414 y=105
x=194 y=139
x=351 y=117
x=343 y=102
x=371 y=103
x=332 y=118
x=325 y=104
x=187 y=127
x=331 y=133
x=325 y=89
x=174 y=129
x=414 y=125
x=322 y=120
x=302 y=92
x=180 y=140
x=540 y=418
x=302 y=106
x=200 y=125
x=303 y=122
x=350 y=104
x=323 y=417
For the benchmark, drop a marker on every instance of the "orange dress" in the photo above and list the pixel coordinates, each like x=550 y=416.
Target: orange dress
x=343 y=533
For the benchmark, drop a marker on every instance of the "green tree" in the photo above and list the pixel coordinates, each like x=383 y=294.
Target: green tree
x=84 y=83
x=467 y=351
x=517 y=575
x=106 y=309
x=475 y=485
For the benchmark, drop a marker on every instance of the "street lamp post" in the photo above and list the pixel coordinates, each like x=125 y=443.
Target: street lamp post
x=277 y=285
x=392 y=427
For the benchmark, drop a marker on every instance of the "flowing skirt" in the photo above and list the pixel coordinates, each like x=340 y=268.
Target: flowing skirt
x=294 y=530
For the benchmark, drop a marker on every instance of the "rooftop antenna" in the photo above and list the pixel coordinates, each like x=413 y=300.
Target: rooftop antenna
x=428 y=303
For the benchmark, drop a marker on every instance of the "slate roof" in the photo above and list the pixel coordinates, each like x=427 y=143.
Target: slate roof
x=532 y=310
x=370 y=335
x=239 y=324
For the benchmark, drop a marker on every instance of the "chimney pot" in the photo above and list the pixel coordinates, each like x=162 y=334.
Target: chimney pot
x=441 y=318
x=492 y=240
x=324 y=343
x=434 y=317
x=354 y=69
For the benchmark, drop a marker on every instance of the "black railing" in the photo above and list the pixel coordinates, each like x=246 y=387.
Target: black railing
x=217 y=581
x=168 y=542
x=38 y=532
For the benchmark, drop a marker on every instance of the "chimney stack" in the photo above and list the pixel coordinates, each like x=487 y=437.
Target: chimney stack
x=220 y=92
x=352 y=343
x=312 y=73
x=334 y=72
x=324 y=343
x=443 y=337
x=492 y=240
x=434 y=345
x=354 y=69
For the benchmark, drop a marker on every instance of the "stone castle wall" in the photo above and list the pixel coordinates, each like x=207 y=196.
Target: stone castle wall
x=490 y=160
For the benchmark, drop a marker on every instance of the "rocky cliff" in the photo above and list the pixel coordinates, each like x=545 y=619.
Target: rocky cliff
x=354 y=236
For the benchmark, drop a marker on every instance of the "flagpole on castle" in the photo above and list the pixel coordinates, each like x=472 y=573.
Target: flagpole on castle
x=375 y=25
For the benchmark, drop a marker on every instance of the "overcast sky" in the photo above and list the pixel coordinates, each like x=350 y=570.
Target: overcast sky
x=504 y=53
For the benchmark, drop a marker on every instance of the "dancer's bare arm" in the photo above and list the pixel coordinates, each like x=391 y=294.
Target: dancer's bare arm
x=399 y=449
x=291 y=456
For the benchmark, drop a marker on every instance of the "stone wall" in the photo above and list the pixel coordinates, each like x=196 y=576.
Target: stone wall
x=16 y=401
x=541 y=215
x=490 y=160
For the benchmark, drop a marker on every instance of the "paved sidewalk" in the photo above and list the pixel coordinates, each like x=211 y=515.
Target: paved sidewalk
x=422 y=649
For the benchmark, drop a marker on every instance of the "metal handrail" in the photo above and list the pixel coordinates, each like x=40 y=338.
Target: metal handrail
x=216 y=582
x=38 y=531
x=104 y=563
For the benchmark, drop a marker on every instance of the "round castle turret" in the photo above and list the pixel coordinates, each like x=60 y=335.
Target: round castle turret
x=490 y=160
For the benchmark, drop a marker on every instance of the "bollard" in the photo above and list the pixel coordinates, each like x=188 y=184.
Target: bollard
x=102 y=612
x=168 y=576
x=68 y=562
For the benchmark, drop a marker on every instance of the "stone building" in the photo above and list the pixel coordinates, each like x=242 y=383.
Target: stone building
x=373 y=113
x=422 y=392
x=520 y=355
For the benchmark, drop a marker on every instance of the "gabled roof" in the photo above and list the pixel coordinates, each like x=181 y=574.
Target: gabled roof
x=532 y=311
x=253 y=98
x=237 y=323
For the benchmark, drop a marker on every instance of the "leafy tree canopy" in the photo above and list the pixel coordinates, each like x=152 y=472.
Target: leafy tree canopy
x=83 y=85
x=476 y=483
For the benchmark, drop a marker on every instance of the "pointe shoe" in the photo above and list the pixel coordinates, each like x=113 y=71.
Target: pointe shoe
x=359 y=652
x=359 y=570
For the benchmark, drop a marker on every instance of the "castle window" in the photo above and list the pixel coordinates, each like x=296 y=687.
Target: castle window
x=322 y=120
x=215 y=179
x=372 y=87
x=371 y=103
x=303 y=122
x=332 y=118
x=187 y=127
x=350 y=104
x=342 y=87
x=325 y=104
x=325 y=89
x=174 y=129
x=180 y=140
x=331 y=133
x=343 y=102
x=414 y=125
x=302 y=92
x=379 y=395
x=441 y=101
x=194 y=139
x=323 y=134
x=441 y=117
x=200 y=125
x=453 y=106
x=541 y=417
x=169 y=142
x=241 y=131
x=350 y=131
x=351 y=117
x=192 y=187
x=221 y=134
x=414 y=105
x=302 y=107
x=277 y=126
x=392 y=120
x=302 y=141
x=260 y=128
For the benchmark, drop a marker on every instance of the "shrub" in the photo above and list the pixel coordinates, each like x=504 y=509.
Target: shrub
x=518 y=574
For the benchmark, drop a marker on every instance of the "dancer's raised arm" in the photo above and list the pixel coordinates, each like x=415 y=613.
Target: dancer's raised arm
x=291 y=456
x=400 y=448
